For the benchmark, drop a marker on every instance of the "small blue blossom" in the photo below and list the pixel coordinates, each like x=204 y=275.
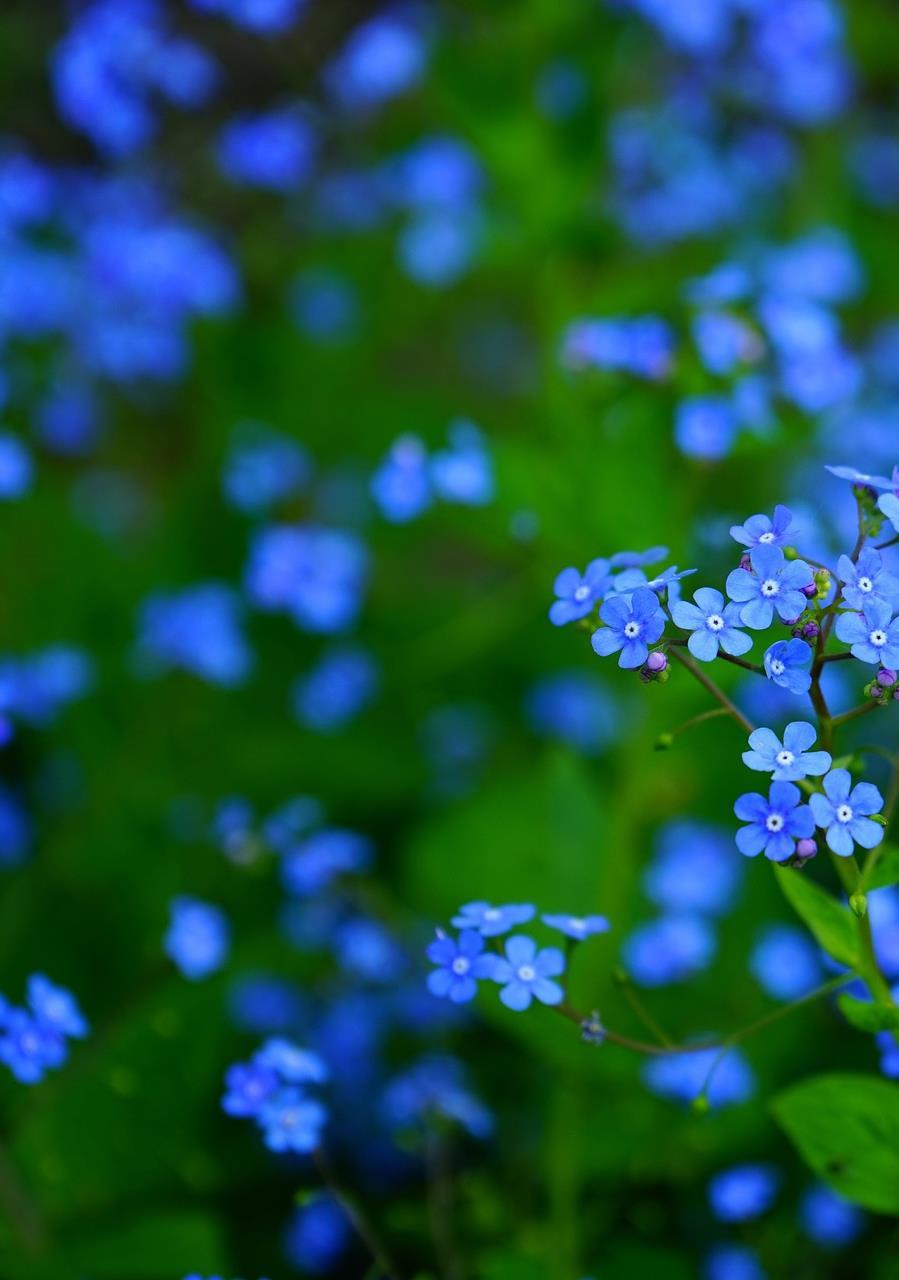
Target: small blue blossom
x=743 y=1193
x=693 y=870
x=310 y=865
x=712 y=623
x=867 y=581
x=705 y=427
x=578 y=927
x=248 y=1086
x=434 y=1086
x=401 y=486
x=262 y=468
x=264 y=17
x=198 y=938
x=872 y=634
x=638 y=559
x=55 y=1008
x=773 y=584
x=340 y=686
x=684 y=1076
x=491 y=921
x=786 y=663
x=575 y=707
x=733 y=1262
x=578 y=593
x=785 y=962
x=16 y=468
x=290 y=1121
x=765 y=531
x=198 y=630
x=318 y=1233
x=382 y=58
x=630 y=626
x=460 y=965
x=463 y=471
x=828 y=1219
x=28 y=1046
x=292 y=1063
x=789 y=760
x=724 y=341
x=526 y=973
x=844 y=812
x=775 y=823
x=670 y=949
x=317 y=575
x=273 y=151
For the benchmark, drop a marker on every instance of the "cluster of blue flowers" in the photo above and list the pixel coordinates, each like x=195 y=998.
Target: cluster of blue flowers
x=408 y=481
x=274 y=1089
x=34 y=1040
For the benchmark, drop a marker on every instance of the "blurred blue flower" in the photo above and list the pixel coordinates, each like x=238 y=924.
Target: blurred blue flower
x=264 y=1004
x=68 y=421
x=683 y=1077
x=317 y=1235
x=290 y=1121
x=382 y=58
x=37 y=688
x=775 y=823
x=16 y=468
x=785 y=962
x=198 y=630
x=198 y=938
x=743 y=1192
x=437 y=247
x=248 y=1086
x=828 y=1219
x=577 y=927
x=29 y=1047
x=366 y=950
x=401 y=486
x=460 y=965
x=790 y=760
x=642 y=345
x=55 y=1008
x=434 y=1085
x=575 y=707
x=317 y=575
x=693 y=870
x=274 y=150
x=490 y=921
x=312 y=864
x=463 y=472
x=265 y=17
x=292 y=1063
x=670 y=949
x=342 y=684
x=296 y=817
x=786 y=664
x=844 y=812
x=733 y=1262
x=705 y=427
x=324 y=306
x=15 y=829
x=263 y=467
x=724 y=341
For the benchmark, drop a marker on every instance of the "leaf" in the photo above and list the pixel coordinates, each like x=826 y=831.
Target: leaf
x=832 y=924
x=886 y=869
x=846 y=1128
x=867 y=1016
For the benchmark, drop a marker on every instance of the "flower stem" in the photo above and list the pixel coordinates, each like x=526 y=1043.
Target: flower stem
x=363 y=1228
x=709 y=685
x=871 y=705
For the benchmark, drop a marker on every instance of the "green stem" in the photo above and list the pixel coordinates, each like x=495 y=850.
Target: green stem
x=644 y=1015
x=709 y=685
x=363 y=1228
x=869 y=969
x=863 y=710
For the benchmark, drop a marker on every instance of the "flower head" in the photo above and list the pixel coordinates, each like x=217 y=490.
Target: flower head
x=248 y=1086
x=775 y=823
x=765 y=531
x=743 y=1192
x=631 y=625
x=872 y=634
x=785 y=665
x=527 y=974
x=292 y=1064
x=55 y=1008
x=577 y=593
x=490 y=921
x=863 y=477
x=774 y=584
x=29 y=1047
x=292 y=1122
x=713 y=625
x=198 y=938
x=459 y=965
x=867 y=581
x=790 y=760
x=844 y=813
x=577 y=927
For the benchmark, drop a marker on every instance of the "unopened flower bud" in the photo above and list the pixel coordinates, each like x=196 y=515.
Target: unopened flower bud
x=811 y=631
x=745 y=562
x=592 y=1030
x=810 y=591
x=859 y=905
x=657 y=661
x=886 y=677
x=806 y=848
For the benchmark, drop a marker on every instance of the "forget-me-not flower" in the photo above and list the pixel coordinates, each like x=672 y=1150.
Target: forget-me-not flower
x=54 y=1007
x=743 y=1192
x=867 y=580
x=775 y=823
x=786 y=663
x=577 y=593
x=713 y=625
x=577 y=927
x=775 y=584
x=491 y=921
x=789 y=760
x=863 y=477
x=459 y=965
x=527 y=974
x=291 y=1121
x=844 y=813
x=631 y=626
x=872 y=634
x=765 y=531
x=248 y=1087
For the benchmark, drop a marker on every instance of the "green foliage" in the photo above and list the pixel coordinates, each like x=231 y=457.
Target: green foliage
x=829 y=921
x=869 y=1017
x=885 y=870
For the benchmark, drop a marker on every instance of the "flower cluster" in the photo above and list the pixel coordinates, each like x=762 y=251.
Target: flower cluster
x=274 y=1089
x=34 y=1040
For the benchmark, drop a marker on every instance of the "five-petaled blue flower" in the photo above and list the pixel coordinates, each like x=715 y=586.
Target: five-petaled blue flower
x=55 y=1008
x=577 y=927
x=248 y=1087
x=790 y=760
x=291 y=1121
x=713 y=624
x=785 y=665
x=527 y=973
x=775 y=823
x=873 y=634
x=867 y=580
x=773 y=584
x=292 y=1063
x=578 y=593
x=29 y=1047
x=765 y=531
x=460 y=965
x=845 y=814
x=491 y=921
x=631 y=626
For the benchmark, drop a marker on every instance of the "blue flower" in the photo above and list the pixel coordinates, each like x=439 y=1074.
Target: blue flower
x=16 y=469
x=292 y=1064
x=684 y=1076
x=575 y=707
x=434 y=1086
x=765 y=531
x=401 y=486
x=310 y=865
x=785 y=962
x=578 y=593
x=198 y=630
x=867 y=581
x=862 y=477
x=828 y=1219
x=743 y=1193
x=670 y=949
x=460 y=965
x=733 y=1262
x=273 y=151
x=872 y=634
x=626 y=583
x=845 y=814
x=631 y=626
x=578 y=927
x=28 y=1046
x=290 y=1121
x=785 y=665
x=526 y=973
x=775 y=824
x=693 y=870
x=248 y=1087
x=55 y=1008
x=263 y=467
x=342 y=683
x=774 y=584
x=638 y=559
x=705 y=427
x=267 y=17
x=198 y=938
x=463 y=472
x=317 y=575
x=382 y=58
x=790 y=760
x=491 y=921
x=317 y=1235
x=713 y=625
x=889 y=505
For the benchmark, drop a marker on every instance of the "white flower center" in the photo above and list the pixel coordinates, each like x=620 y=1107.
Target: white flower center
x=774 y=822
x=777 y=667
x=461 y=966
x=576 y=924
x=527 y=973
x=581 y=593
x=785 y=757
x=766 y=538
x=770 y=587
x=289 y=1119
x=715 y=622
x=865 y=584
x=492 y=913
x=844 y=813
x=632 y=630
x=878 y=638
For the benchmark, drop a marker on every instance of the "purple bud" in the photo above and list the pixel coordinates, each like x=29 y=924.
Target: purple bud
x=875 y=691
x=792 y=622
x=810 y=591
x=806 y=848
x=745 y=562
x=796 y=633
x=656 y=661
x=886 y=677
x=811 y=631
x=896 y=696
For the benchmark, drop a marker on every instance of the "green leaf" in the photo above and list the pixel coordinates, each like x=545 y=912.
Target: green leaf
x=830 y=922
x=867 y=1016
x=886 y=869
x=846 y=1128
